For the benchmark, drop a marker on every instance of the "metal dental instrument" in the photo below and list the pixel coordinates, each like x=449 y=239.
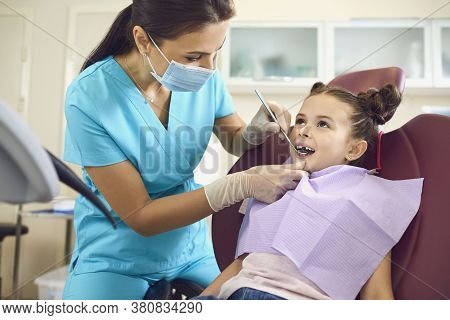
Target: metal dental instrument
x=274 y=118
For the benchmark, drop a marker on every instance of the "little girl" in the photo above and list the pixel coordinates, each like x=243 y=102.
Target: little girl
x=333 y=130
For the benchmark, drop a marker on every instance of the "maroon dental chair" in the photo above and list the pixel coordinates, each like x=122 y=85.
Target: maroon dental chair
x=420 y=148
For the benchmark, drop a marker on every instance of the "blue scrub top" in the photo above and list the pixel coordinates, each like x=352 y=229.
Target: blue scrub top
x=109 y=121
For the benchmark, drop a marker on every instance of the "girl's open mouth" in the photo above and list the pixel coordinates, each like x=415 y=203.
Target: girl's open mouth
x=304 y=151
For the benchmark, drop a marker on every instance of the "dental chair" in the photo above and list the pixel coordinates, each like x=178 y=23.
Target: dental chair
x=420 y=148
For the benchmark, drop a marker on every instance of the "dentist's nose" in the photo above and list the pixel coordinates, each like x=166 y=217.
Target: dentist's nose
x=209 y=63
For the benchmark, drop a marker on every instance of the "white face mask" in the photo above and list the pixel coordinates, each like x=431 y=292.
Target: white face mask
x=180 y=77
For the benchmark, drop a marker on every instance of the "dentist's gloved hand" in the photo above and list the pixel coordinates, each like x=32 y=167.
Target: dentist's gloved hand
x=262 y=125
x=264 y=183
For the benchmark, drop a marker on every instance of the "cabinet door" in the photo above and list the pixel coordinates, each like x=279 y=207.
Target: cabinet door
x=441 y=55
x=268 y=54
x=445 y=54
x=15 y=39
x=369 y=45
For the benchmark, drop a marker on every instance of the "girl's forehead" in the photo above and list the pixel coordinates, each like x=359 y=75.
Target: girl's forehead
x=326 y=105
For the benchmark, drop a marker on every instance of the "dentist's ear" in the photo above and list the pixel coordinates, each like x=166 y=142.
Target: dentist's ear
x=141 y=39
x=357 y=149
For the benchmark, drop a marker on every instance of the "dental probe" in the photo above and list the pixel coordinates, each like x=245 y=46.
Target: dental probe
x=274 y=118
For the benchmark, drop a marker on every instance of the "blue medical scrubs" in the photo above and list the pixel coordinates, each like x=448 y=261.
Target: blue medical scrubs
x=109 y=121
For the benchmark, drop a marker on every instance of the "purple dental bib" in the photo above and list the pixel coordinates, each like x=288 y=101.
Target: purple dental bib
x=336 y=226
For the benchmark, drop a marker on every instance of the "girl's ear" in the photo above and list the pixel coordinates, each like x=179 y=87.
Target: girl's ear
x=357 y=149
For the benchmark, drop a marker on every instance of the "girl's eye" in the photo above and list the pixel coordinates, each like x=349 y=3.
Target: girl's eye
x=192 y=59
x=299 y=121
x=323 y=124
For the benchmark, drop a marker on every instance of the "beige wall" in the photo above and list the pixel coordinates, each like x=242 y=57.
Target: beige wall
x=44 y=245
x=283 y=10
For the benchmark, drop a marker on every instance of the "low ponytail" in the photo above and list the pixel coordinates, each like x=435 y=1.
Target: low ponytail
x=118 y=40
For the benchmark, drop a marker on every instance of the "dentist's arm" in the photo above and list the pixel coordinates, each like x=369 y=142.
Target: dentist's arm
x=124 y=190
x=236 y=137
x=229 y=131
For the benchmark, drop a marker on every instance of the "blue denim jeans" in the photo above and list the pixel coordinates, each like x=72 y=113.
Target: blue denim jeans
x=244 y=294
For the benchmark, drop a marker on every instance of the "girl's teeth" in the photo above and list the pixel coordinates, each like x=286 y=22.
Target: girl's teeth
x=304 y=150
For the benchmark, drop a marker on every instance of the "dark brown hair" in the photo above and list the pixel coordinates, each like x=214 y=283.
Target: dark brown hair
x=162 y=19
x=371 y=108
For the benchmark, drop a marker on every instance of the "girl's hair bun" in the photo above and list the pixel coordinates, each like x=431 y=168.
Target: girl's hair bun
x=381 y=104
x=317 y=87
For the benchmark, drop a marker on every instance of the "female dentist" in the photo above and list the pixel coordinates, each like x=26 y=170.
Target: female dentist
x=139 y=118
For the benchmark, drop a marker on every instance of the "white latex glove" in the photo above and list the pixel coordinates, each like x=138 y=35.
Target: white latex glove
x=264 y=183
x=262 y=124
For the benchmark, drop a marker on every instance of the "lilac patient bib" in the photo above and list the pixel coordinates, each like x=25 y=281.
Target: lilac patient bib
x=336 y=226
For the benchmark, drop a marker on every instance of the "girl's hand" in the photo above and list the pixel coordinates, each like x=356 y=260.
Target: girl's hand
x=262 y=124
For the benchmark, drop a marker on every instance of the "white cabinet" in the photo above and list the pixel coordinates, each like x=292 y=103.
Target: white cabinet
x=290 y=57
x=441 y=54
x=360 y=45
x=272 y=55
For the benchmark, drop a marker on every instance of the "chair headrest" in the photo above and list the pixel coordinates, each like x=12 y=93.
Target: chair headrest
x=358 y=81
